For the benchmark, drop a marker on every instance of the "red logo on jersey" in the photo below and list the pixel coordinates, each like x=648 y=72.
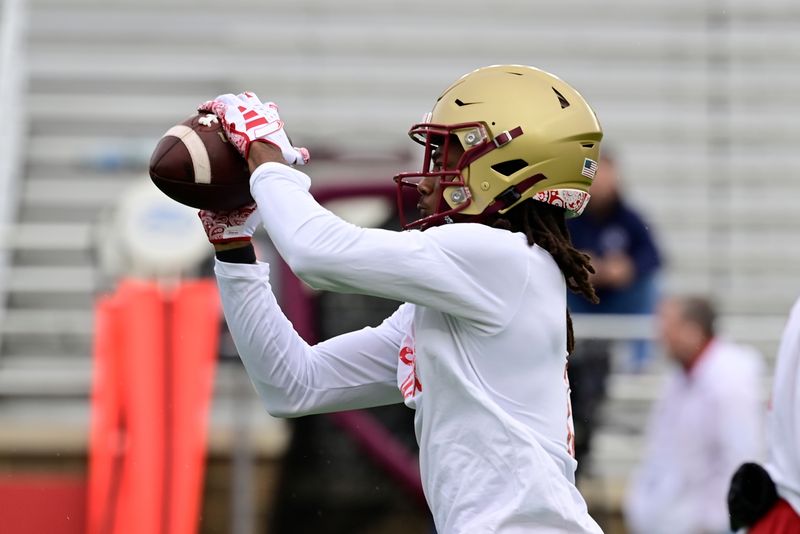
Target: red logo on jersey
x=411 y=384
x=570 y=424
x=407 y=355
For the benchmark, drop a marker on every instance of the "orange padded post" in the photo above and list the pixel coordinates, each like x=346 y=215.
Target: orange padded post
x=194 y=347
x=106 y=430
x=142 y=350
x=155 y=357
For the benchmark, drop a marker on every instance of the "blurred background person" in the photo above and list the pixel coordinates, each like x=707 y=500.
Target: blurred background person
x=626 y=260
x=707 y=422
x=625 y=256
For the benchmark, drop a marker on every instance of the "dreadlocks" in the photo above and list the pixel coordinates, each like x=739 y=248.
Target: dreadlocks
x=545 y=225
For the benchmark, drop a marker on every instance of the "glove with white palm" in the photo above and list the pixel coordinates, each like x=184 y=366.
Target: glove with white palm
x=247 y=120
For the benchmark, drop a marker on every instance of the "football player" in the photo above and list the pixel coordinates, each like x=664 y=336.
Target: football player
x=479 y=348
x=766 y=499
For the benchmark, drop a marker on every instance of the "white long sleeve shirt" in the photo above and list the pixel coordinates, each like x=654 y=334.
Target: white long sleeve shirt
x=478 y=350
x=706 y=424
x=783 y=418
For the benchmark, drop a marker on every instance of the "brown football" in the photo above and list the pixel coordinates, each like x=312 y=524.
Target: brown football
x=195 y=164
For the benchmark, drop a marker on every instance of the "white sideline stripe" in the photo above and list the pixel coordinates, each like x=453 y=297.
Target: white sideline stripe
x=197 y=151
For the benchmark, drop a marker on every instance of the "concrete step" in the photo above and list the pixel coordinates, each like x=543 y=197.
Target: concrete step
x=77 y=322
x=47 y=331
x=69 y=245
x=45 y=376
x=742 y=327
x=55 y=237
x=677 y=10
x=615 y=454
x=87 y=192
x=53 y=287
x=75 y=196
x=48 y=376
x=53 y=279
x=32 y=426
x=644 y=389
x=689 y=118
x=362 y=29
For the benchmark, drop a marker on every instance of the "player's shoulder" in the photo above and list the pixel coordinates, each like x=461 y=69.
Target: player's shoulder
x=481 y=243
x=466 y=228
x=475 y=236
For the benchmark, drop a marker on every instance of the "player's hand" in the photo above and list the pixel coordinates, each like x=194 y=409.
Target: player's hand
x=229 y=227
x=291 y=154
x=246 y=120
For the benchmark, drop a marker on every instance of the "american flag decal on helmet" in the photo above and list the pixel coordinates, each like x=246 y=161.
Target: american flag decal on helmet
x=589 y=168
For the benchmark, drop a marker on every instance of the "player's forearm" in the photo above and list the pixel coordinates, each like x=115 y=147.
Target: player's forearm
x=291 y=377
x=275 y=357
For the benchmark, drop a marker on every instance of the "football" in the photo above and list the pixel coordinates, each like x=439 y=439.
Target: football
x=195 y=164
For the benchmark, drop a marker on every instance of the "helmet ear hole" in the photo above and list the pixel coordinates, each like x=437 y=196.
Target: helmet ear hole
x=509 y=167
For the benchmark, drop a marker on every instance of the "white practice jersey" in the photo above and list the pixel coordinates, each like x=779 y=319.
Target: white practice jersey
x=783 y=418
x=703 y=427
x=478 y=350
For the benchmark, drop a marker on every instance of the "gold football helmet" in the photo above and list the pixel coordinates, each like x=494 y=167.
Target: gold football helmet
x=524 y=133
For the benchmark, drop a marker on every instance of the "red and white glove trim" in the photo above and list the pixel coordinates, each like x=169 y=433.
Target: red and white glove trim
x=230 y=226
x=246 y=119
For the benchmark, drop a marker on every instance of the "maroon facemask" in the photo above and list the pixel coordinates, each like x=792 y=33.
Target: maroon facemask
x=439 y=141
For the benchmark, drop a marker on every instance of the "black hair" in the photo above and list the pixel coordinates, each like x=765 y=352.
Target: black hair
x=545 y=225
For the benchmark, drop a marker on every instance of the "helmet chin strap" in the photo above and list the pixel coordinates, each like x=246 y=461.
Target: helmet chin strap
x=512 y=194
